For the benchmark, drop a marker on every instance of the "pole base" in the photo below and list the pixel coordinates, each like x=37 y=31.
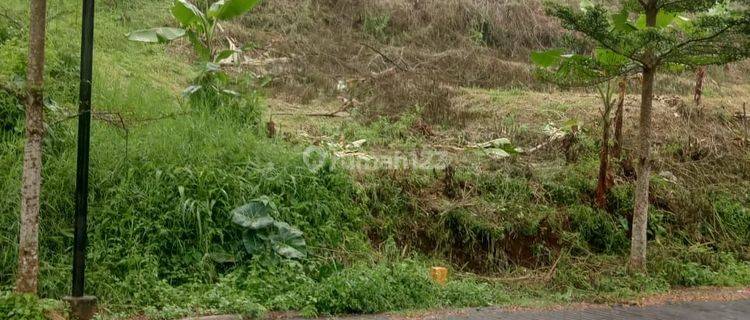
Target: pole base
x=82 y=308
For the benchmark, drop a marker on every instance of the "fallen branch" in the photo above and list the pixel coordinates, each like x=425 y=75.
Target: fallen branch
x=552 y=269
x=348 y=104
x=385 y=57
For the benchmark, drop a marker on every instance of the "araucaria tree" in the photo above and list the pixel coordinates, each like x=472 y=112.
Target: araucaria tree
x=31 y=185
x=654 y=35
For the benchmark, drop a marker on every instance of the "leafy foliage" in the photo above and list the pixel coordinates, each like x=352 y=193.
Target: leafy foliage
x=685 y=32
x=198 y=26
x=22 y=306
x=200 y=29
x=264 y=234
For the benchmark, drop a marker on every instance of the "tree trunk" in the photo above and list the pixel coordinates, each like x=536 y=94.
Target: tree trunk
x=639 y=238
x=640 y=214
x=700 y=76
x=619 y=115
x=28 y=248
x=602 y=185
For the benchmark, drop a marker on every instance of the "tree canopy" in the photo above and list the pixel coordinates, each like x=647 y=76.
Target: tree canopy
x=689 y=33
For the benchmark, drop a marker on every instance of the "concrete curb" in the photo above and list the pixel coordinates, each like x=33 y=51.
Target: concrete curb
x=225 y=317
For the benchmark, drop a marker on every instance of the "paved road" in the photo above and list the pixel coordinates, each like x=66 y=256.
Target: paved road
x=728 y=310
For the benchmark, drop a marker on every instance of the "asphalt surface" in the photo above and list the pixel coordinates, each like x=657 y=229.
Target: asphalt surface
x=723 y=310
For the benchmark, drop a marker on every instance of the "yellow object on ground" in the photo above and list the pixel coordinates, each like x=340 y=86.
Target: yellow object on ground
x=439 y=275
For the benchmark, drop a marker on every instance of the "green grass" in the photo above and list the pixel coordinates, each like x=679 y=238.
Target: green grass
x=162 y=191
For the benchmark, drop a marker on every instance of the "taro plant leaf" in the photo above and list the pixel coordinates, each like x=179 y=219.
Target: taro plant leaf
x=156 y=35
x=288 y=251
x=228 y=9
x=253 y=243
x=188 y=14
x=288 y=241
x=254 y=215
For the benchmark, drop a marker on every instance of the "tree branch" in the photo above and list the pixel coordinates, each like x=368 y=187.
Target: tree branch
x=661 y=57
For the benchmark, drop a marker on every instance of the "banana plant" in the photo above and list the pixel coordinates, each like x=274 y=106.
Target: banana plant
x=198 y=26
x=200 y=29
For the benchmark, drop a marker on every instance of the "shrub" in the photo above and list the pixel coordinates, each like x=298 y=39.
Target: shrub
x=600 y=230
x=365 y=288
x=22 y=306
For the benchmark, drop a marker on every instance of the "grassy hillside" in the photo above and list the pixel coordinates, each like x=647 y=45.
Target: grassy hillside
x=518 y=230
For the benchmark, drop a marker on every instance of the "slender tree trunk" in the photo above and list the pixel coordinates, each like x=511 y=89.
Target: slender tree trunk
x=619 y=115
x=28 y=248
x=639 y=238
x=602 y=186
x=640 y=214
x=700 y=76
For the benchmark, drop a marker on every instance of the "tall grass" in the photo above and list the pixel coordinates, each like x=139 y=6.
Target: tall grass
x=161 y=189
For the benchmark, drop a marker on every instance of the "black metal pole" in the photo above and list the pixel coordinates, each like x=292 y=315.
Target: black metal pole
x=84 y=129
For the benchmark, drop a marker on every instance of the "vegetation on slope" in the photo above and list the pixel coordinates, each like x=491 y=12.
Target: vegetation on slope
x=166 y=175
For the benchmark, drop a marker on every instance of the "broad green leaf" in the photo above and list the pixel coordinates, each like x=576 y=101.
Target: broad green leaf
x=200 y=48
x=254 y=215
x=228 y=9
x=546 y=59
x=682 y=22
x=187 y=14
x=288 y=241
x=497 y=143
x=586 y=5
x=156 y=35
x=641 y=22
x=288 y=251
x=664 y=19
x=620 y=22
x=497 y=153
x=224 y=54
x=252 y=242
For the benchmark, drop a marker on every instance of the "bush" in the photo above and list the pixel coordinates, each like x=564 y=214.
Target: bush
x=365 y=288
x=733 y=216
x=22 y=306
x=698 y=266
x=601 y=231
